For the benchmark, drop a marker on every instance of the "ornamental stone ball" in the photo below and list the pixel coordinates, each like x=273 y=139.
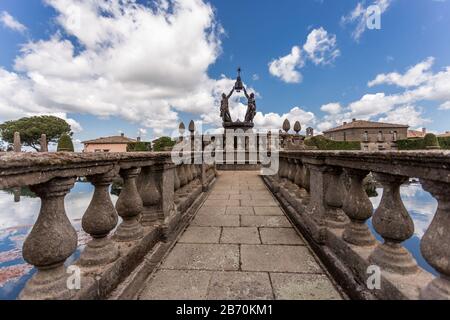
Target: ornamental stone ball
x=286 y=125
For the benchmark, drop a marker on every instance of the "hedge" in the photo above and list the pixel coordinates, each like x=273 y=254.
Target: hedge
x=421 y=144
x=323 y=143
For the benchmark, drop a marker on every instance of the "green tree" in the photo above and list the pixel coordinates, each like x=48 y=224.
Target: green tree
x=140 y=146
x=163 y=144
x=65 y=143
x=31 y=128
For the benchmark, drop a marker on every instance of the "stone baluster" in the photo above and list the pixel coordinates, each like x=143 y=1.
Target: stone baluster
x=51 y=241
x=306 y=178
x=435 y=244
x=358 y=208
x=129 y=207
x=98 y=221
x=291 y=172
x=168 y=206
x=392 y=221
x=148 y=186
x=187 y=168
x=334 y=196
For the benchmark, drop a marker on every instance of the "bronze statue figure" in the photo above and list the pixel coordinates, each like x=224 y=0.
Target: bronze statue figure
x=251 y=106
x=224 y=109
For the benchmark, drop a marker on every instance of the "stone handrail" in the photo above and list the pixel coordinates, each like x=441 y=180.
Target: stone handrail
x=158 y=198
x=323 y=194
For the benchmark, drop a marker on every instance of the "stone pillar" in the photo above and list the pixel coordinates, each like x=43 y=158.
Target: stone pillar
x=298 y=178
x=316 y=207
x=129 y=207
x=435 y=244
x=177 y=182
x=358 y=208
x=182 y=175
x=17 y=142
x=167 y=201
x=51 y=241
x=148 y=186
x=392 y=221
x=43 y=143
x=334 y=195
x=98 y=221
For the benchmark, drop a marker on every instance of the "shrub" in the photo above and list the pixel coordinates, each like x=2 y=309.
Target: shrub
x=323 y=143
x=65 y=143
x=423 y=143
x=139 y=146
x=430 y=141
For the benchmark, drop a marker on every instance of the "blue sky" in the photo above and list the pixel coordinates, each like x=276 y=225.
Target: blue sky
x=112 y=73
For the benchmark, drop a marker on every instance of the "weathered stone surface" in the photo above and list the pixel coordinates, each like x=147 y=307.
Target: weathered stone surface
x=216 y=220
x=240 y=210
x=268 y=211
x=240 y=286
x=303 y=287
x=221 y=203
x=195 y=234
x=280 y=236
x=177 y=285
x=278 y=258
x=259 y=203
x=246 y=235
x=203 y=257
x=215 y=196
x=211 y=211
x=265 y=221
x=240 y=196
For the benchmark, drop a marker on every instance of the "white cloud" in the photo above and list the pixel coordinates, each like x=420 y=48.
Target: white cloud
x=321 y=47
x=408 y=114
x=11 y=23
x=285 y=67
x=413 y=77
x=445 y=106
x=275 y=121
x=332 y=108
x=358 y=16
x=255 y=77
x=140 y=63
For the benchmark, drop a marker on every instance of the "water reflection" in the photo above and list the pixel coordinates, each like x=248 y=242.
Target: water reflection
x=16 y=221
x=421 y=207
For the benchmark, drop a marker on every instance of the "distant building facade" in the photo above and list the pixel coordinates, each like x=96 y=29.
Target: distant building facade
x=413 y=134
x=108 y=144
x=372 y=135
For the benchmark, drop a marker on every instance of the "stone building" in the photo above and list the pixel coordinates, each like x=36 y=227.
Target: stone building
x=108 y=144
x=372 y=135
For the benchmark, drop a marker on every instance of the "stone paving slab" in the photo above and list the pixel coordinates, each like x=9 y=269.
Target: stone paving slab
x=258 y=203
x=268 y=211
x=194 y=234
x=303 y=287
x=240 y=245
x=203 y=257
x=177 y=285
x=265 y=221
x=278 y=258
x=280 y=236
x=240 y=286
x=241 y=235
x=240 y=211
x=216 y=221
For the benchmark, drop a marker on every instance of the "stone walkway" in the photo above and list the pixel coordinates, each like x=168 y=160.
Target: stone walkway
x=240 y=245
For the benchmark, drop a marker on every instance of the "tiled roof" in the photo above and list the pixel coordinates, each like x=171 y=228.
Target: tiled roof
x=363 y=124
x=110 y=140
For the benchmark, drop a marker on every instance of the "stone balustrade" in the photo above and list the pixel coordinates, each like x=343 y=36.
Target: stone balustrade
x=157 y=200
x=323 y=194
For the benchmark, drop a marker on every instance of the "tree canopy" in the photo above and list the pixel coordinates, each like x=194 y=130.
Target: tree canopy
x=65 y=143
x=31 y=128
x=163 y=144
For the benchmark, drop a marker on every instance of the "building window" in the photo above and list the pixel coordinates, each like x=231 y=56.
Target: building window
x=366 y=136
x=380 y=136
x=394 y=136
x=106 y=150
x=97 y=150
